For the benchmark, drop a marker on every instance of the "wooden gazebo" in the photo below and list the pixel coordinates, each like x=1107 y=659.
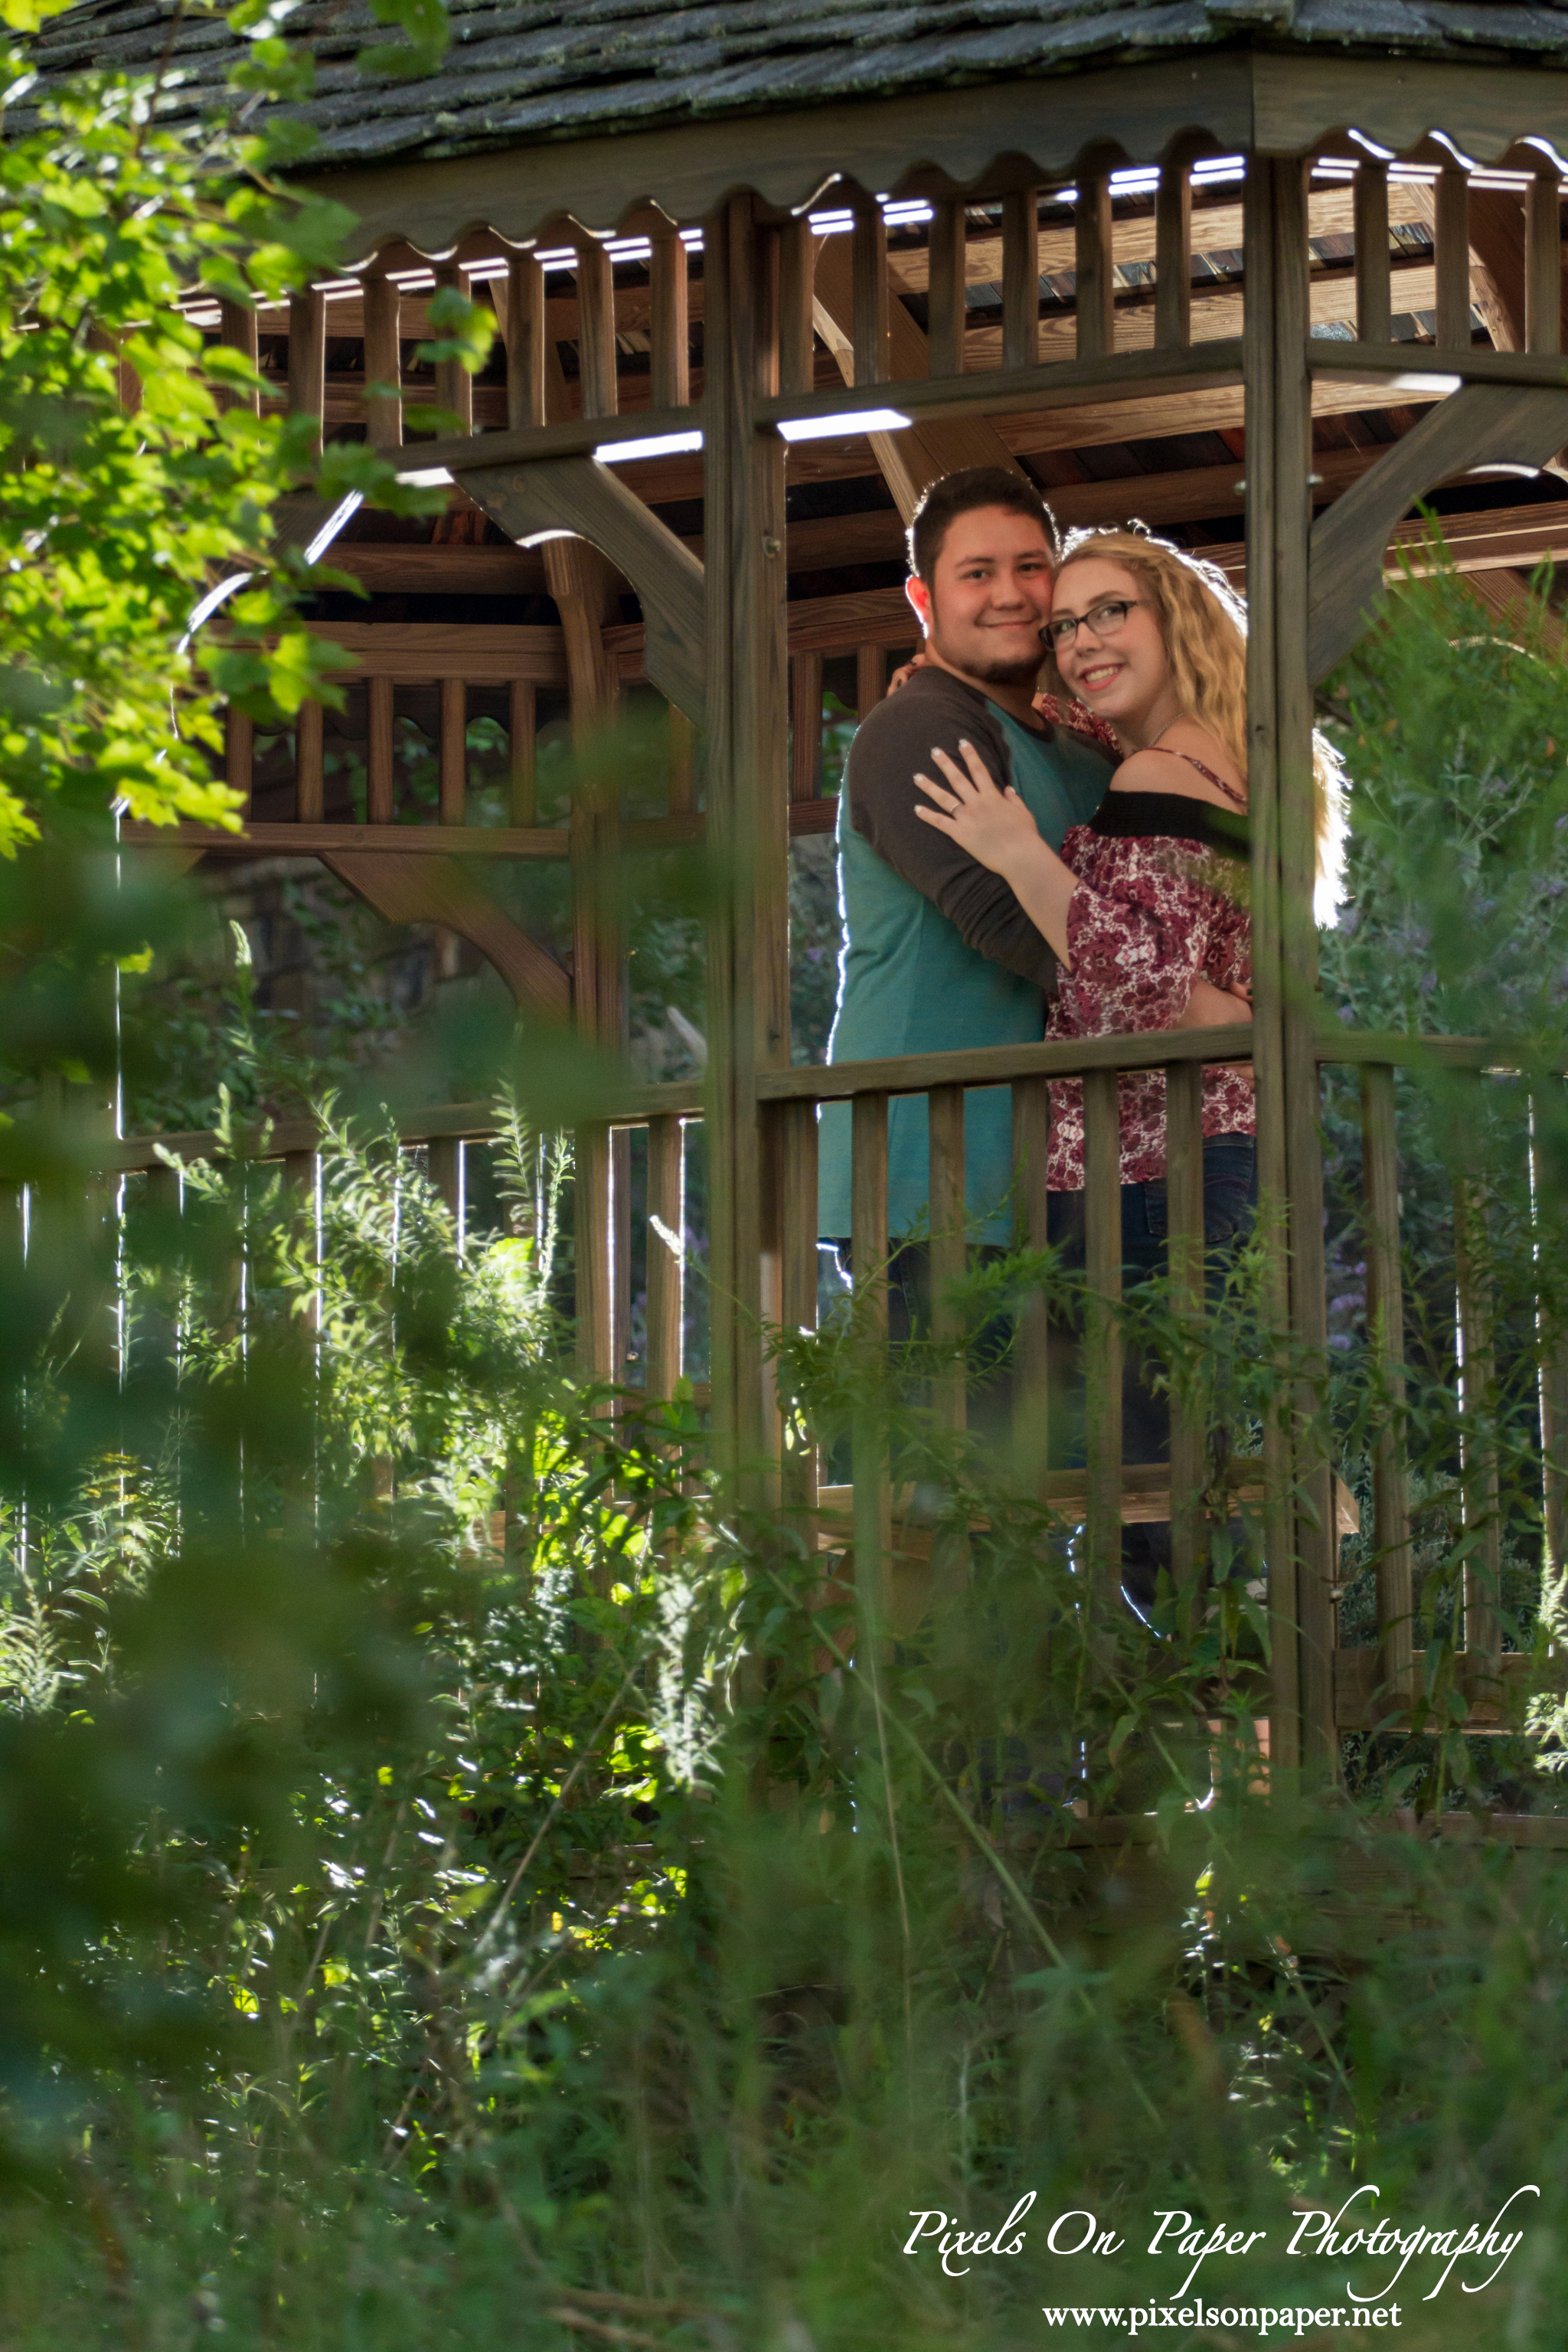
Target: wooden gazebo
x=760 y=275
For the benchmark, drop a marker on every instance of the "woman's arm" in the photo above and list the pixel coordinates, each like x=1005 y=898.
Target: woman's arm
x=996 y=830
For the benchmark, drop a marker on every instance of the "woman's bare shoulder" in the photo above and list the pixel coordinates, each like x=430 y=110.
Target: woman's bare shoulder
x=1178 y=767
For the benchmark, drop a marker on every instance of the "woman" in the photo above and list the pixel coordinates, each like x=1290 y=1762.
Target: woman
x=1145 y=900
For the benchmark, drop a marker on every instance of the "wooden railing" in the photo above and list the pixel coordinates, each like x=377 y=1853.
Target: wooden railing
x=1360 y=1685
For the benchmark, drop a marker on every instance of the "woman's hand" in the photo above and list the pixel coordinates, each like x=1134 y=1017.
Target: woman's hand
x=904 y=672
x=996 y=828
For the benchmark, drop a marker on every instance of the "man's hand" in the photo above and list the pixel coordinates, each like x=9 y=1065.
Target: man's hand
x=1209 y=1007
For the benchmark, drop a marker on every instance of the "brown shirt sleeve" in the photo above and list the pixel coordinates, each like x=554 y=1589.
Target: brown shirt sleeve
x=936 y=710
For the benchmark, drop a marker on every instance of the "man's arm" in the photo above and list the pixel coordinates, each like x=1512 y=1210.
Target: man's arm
x=897 y=738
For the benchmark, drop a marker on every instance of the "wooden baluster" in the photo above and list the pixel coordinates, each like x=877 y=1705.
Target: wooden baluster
x=869 y=1271
x=1552 y=1370
x=1386 y=1322
x=948 y=1253
x=308 y=357
x=1185 y=1207
x=665 y=1253
x=595 y=327
x=620 y=1250
x=379 y=807
x=805 y=725
x=947 y=296
x=1103 y=1334
x=592 y=1230
x=310 y=766
x=523 y=723
x=668 y=301
x=869 y=326
x=870 y=678
x=1373 y=287
x=236 y=332
x=682 y=763
x=383 y=360
x=1478 y=1404
x=796 y=1137
x=1020 y=278
x=1031 y=1206
x=1096 y=277
x=453 y=758
x=443 y=1158
x=239 y=748
x=1174 y=255
x=454 y=384
x=1452 y=331
x=1543 y=261
x=526 y=339
x=797 y=272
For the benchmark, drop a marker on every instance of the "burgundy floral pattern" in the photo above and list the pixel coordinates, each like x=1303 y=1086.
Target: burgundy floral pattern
x=1149 y=917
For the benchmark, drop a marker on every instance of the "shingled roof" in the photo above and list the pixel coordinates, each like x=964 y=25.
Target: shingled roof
x=516 y=74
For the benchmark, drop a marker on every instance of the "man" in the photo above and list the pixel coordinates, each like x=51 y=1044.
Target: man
x=940 y=955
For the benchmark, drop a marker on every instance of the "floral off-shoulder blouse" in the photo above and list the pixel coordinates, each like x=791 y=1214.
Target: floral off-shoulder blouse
x=1161 y=901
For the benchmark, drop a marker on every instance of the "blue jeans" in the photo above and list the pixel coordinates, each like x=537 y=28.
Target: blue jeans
x=1230 y=1210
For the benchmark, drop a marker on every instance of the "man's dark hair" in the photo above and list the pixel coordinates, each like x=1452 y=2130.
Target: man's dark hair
x=951 y=495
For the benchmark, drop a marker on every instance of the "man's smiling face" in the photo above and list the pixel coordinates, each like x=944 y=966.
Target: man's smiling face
x=988 y=598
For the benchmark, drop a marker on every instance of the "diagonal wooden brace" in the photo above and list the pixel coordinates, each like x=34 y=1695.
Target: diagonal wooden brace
x=423 y=889
x=1482 y=424
x=579 y=497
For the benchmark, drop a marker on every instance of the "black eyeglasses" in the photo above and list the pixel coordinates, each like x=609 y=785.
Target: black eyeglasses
x=1107 y=619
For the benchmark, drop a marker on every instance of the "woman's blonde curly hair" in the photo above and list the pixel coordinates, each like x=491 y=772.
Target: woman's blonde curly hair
x=1202 y=623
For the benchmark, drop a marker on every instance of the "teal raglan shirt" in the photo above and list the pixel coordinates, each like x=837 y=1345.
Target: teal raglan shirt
x=910 y=982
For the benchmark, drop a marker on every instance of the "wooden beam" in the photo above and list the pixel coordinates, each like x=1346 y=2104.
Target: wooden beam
x=421 y=653
x=1483 y=423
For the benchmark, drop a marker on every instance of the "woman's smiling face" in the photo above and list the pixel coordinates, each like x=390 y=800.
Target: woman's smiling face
x=1122 y=676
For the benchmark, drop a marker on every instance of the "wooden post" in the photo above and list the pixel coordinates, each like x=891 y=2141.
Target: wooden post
x=452 y=766
x=870 y=680
x=454 y=384
x=239 y=743
x=383 y=360
x=1096 y=278
x=523 y=730
x=582 y=584
x=1374 y=295
x=795 y=1134
x=1031 y=1198
x=1385 y=1318
x=665 y=1259
x=307 y=356
x=870 y=326
x=1184 y=1202
x=310 y=777
x=1278 y=731
x=1452 y=331
x=236 y=332
x=1477 y=1416
x=1102 y=1329
x=526 y=338
x=868 y=1267
x=797 y=270
x=1174 y=254
x=1020 y=278
x=379 y=808
x=805 y=725
x=668 y=301
x=947 y=297
x=748 y=799
x=682 y=763
x=595 y=327
x=948 y=1249
x=1543 y=261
